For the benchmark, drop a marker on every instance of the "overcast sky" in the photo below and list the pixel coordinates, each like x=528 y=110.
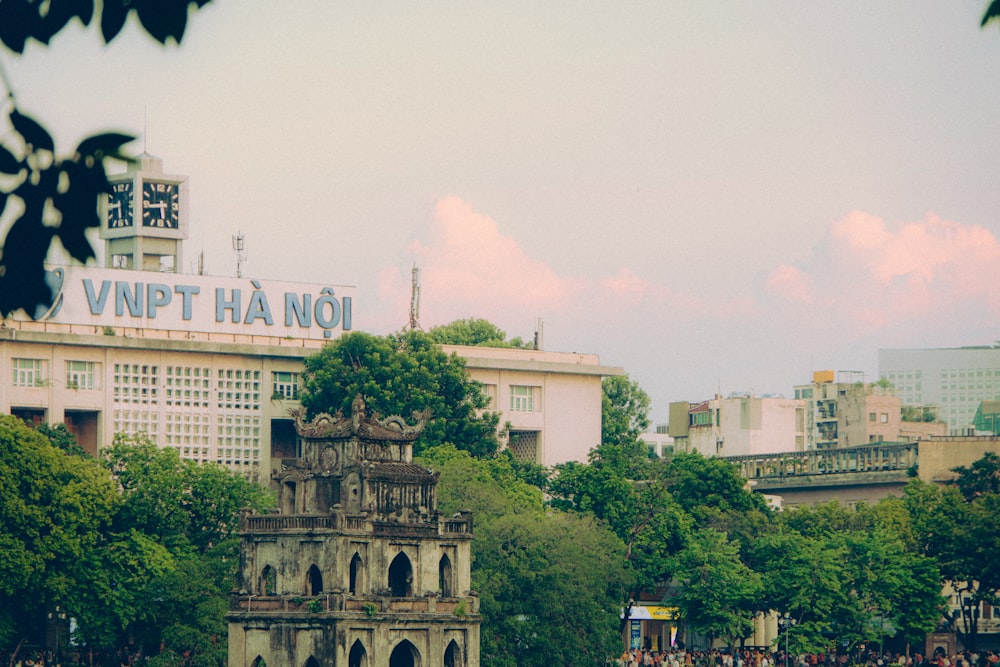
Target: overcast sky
x=718 y=197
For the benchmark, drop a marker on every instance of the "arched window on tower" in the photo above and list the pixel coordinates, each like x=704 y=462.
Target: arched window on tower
x=404 y=655
x=355 y=574
x=268 y=584
x=358 y=656
x=400 y=576
x=444 y=577
x=453 y=655
x=314 y=581
x=311 y=662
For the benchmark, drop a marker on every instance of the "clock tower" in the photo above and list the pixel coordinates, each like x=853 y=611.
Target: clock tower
x=144 y=218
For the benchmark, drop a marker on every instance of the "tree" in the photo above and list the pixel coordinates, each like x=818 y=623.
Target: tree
x=626 y=490
x=55 y=198
x=855 y=575
x=718 y=594
x=710 y=488
x=956 y=525
x=56 y=511
x=803 y=577
x=191 y=512
x=400 y=374
x=624 y=410
x=546 y=579
x=475 y=332
x=60 y=437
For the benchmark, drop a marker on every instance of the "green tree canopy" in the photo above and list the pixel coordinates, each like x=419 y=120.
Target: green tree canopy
x=475 y=332
x=718 y=595
x=624 y=411
x=545 y=578
x=399 y=374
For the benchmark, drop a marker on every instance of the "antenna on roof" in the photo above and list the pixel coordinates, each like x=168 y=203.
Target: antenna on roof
x=240 y=248
x=415 y=298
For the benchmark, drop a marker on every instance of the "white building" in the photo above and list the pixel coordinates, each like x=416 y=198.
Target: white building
x=739 y=425
x=549 y=402
x=210 y=365
x=658 y=440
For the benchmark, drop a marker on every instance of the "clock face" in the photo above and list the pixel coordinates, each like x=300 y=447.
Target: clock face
x=120 y=205
x=160 y=204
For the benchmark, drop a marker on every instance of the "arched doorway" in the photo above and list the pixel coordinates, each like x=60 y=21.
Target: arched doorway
x=400 y=576
x=314 y=581
x=311 y=662
x=453 y=655
x=258 y=662
x=354 y=586
x=444 y=577
x=404 y=655
x=268 y=581
x=358 y=656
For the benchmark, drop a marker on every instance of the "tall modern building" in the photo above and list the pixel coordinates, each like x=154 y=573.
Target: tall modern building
x=954 y=381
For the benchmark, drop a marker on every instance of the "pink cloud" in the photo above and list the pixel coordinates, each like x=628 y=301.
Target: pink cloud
x=470 y=268
x=877 y=274
x=626 y=285
x=791 y=283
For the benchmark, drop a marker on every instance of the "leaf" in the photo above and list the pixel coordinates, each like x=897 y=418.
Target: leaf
x=163 y=18
x=16 y=20
x=33 y=133
x=9 y=164
x=58 y=13
x=992 y=12
x=101 y=145
x=113 y=18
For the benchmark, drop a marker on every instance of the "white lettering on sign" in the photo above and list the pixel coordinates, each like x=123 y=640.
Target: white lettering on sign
x=115 y=297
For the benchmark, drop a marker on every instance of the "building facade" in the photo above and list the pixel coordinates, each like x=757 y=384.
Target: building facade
x=848 y=413
x=549 y=402
x=211 y=365
x=358 y=567
x=737 y=425
x=954 y=381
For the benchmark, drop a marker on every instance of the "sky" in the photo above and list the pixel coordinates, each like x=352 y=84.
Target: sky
x=716 y=197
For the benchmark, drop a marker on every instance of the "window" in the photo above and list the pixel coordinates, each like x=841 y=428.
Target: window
x=522 y=398
x=28 y=372
x=490 y=393
x=81 y=375
x=871 y=416
x=286 y=385
x=884 y=417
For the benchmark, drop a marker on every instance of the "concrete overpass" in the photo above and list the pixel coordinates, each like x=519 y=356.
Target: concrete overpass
x=860 y=474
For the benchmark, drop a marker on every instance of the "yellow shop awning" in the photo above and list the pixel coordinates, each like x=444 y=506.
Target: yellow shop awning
x=652 y=613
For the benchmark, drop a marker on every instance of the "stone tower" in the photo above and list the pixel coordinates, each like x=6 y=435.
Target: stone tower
x=357 y=568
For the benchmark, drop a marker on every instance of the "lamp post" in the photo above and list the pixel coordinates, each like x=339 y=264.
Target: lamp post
x=57 y=617
x=785 y=622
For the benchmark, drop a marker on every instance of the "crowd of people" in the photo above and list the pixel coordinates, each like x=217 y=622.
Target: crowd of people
x=764 y=658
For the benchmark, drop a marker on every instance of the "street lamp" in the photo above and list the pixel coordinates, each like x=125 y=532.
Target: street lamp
x=785 y=622
x=57 y=617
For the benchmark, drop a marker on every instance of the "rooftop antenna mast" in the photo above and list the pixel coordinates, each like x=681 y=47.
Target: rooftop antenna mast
x=415 y=298
x=240 y=248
